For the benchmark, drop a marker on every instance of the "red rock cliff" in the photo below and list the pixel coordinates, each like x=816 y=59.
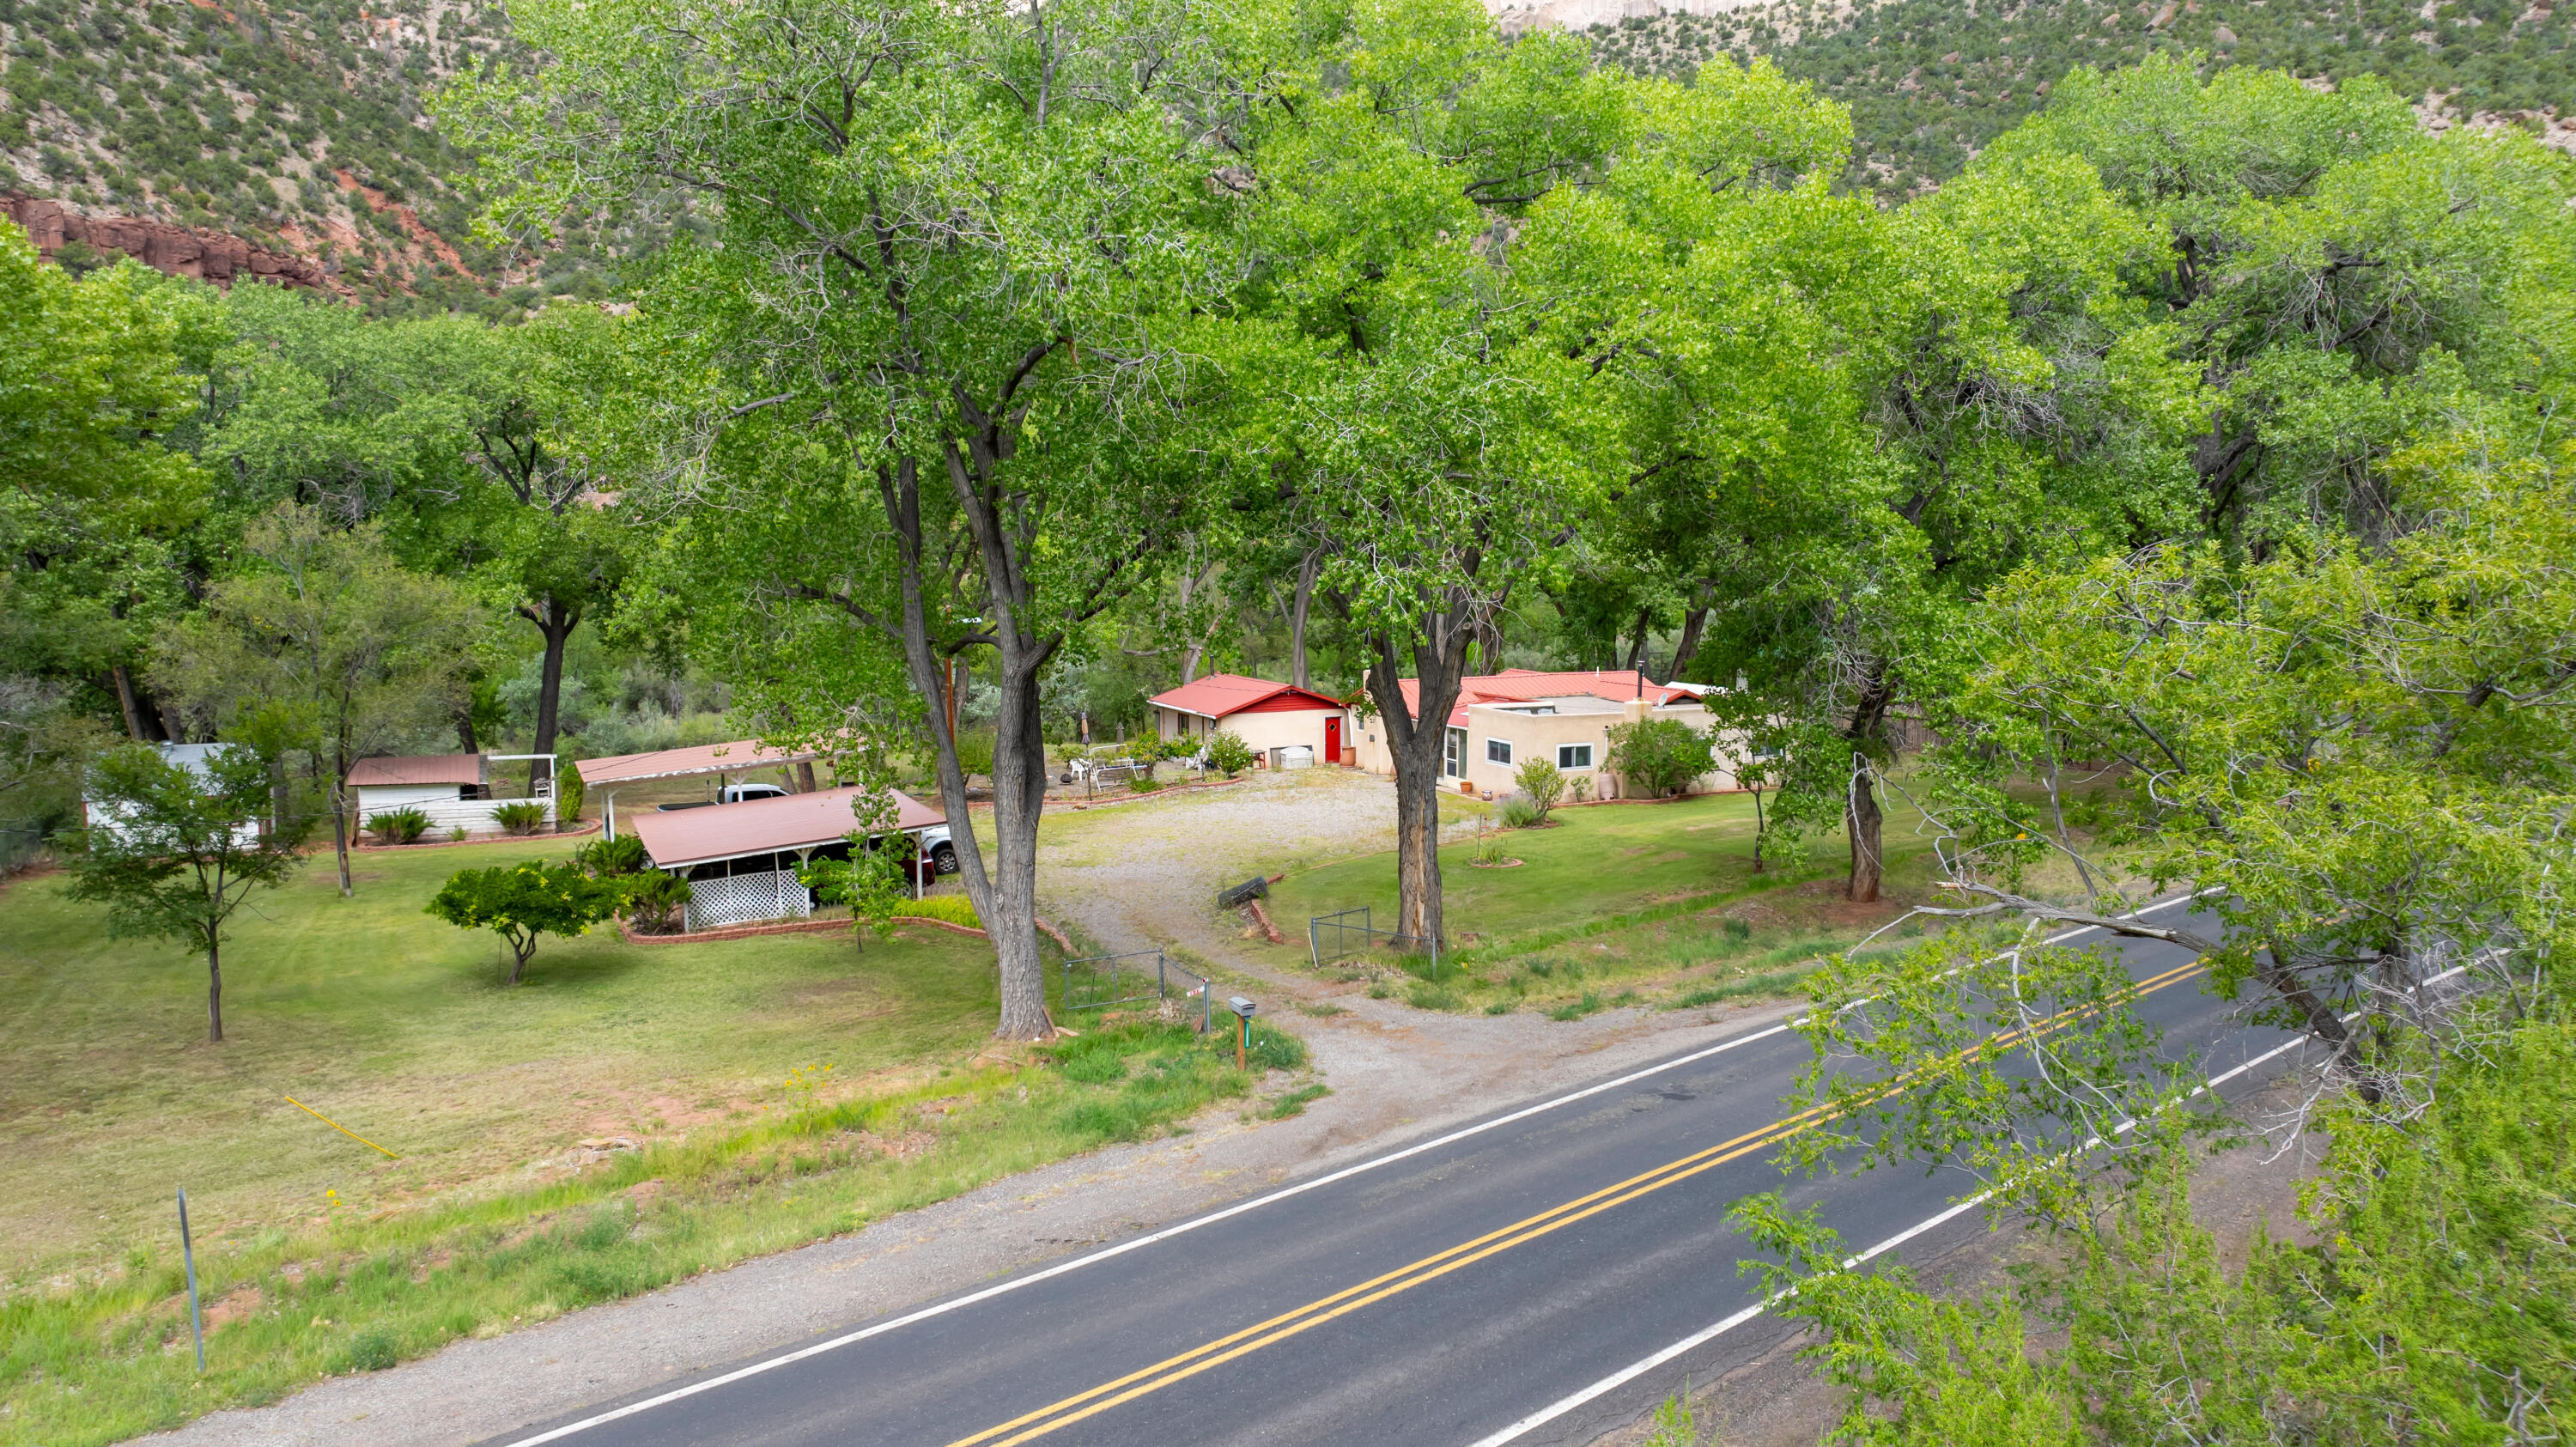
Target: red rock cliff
x=206 y=255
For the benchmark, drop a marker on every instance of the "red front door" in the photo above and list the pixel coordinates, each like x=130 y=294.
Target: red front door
x=1333 y=740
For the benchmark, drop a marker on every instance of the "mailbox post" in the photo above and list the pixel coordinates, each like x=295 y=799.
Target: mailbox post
x=1243 y=1010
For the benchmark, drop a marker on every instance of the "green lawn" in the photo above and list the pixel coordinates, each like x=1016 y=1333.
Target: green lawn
x=1613 y=904
x=513 y=1110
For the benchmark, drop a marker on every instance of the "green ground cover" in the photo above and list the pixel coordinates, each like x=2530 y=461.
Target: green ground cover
x=630 y=1115
x=1614 y=904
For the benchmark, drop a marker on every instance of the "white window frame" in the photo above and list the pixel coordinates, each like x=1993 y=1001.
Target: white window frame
x=1564 y=760
x=1504 y=745
x=1453 y=753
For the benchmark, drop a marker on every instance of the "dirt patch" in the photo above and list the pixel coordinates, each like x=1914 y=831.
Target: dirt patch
x=232 y=1306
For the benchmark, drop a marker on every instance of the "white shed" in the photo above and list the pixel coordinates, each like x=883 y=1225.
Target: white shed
x=454 y=790
x=187 y=758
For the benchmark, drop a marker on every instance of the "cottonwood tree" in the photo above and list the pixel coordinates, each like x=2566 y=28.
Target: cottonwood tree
x=545 y=438
x=321 y=628
x=97 y=504
x=941 y=351
x=2360 y=750
x=1433 y=442
x=1733 y=305
x=175 y=851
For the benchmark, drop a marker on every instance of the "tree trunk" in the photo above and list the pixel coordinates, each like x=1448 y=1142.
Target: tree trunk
x=1300 y=608
x=1414 y=743
x=340 y=828
x=519 y=954
x=1637 y=646
x=466 y=742
x=805 y=783
x=1861 y=820
x=143 y=721
x=1006 y=895
x=1694 y=619
x=214 y=990
x=124 y=684
x=556 y=623
x=1760 y=826
x=1860 y=799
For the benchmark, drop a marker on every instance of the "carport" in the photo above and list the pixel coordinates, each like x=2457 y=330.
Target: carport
x=713 y=761
x=741 y=859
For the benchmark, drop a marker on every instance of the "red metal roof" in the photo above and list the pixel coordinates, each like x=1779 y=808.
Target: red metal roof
x=677 y=763
x=418 y=769
x=1220 y=695
x=1527 y=685
x=763 y=826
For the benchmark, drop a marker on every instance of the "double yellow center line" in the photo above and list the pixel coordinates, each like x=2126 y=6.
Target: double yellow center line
x=1170 y=1370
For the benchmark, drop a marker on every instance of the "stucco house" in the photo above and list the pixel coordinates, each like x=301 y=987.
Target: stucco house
x=1268 y=716
x=1503 y=720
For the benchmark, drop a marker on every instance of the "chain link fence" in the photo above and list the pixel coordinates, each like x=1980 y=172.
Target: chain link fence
x=1097 y=982
x=1349 y=932
x=20 y=846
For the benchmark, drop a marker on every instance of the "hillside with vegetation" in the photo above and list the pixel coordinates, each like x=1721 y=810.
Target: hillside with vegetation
x=300 y=127
x=1931 y=82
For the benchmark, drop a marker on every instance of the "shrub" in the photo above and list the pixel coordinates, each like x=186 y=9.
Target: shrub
x=1229 y=753
x=1143 y=784
x=402 y=826
x=520 y=818
x=1582 y=787
x=456 y=835
x=568 y=791
x=523 y=902
x=1520 y=813
x=1542 y=785
x=612 y=858
x=953 y=908
x=657 y=903
x=1659 y=757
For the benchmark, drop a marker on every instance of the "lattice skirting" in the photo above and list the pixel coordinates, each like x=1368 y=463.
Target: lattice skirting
x=746 y=899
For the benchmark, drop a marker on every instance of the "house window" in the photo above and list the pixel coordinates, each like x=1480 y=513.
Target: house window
x=1574 y=756
x=1498 y=751
x=1453 y=754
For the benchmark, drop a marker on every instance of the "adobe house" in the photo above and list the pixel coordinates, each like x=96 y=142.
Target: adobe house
x=1503 y=720
x=1268 y=716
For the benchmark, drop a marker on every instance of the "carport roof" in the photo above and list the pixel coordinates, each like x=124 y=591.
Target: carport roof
x=713 y=832
x=679 y=763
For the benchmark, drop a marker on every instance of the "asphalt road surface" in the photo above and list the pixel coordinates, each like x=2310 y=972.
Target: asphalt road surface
x=1537 y=1277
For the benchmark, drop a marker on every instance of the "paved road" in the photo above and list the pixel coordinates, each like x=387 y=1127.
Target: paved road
x=1468 y=1290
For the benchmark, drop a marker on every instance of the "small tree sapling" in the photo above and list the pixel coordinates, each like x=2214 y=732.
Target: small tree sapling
x=522 y=901
x=173 y=851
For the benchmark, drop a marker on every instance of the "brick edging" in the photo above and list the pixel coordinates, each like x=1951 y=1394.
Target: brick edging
x=501 y=838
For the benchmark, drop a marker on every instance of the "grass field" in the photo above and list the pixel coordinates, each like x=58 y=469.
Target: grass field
x=1612 y=904
x=629 y=1115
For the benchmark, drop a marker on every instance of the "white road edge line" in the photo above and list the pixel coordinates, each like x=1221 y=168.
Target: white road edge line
x=1627 y=1374
x=770 y=1364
